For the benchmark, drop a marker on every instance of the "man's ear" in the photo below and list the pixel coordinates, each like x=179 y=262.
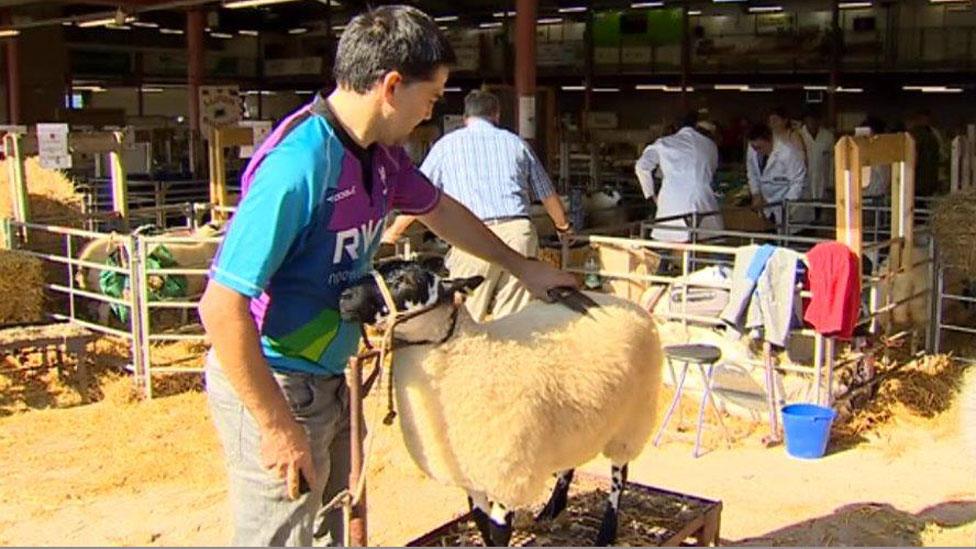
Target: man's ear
x=389 y=84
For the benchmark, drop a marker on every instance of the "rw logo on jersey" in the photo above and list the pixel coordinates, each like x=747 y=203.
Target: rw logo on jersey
x=355 y=241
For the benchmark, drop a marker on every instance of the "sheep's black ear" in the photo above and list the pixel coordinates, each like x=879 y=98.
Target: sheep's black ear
x=361 y=302
x=434 y=264
x=455 y=285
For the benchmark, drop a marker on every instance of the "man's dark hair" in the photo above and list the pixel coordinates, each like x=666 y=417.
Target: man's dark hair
x=760 y=131
x=690 y=119
x=780 y=111
x=390 y=38
x=482 y=104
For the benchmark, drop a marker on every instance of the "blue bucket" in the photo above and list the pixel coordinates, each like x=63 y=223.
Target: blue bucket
x=807 y=429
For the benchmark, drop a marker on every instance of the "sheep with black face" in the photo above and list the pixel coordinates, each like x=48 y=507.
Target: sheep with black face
x=498 y=408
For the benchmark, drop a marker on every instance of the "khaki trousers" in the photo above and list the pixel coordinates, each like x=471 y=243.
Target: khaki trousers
x=501 y=293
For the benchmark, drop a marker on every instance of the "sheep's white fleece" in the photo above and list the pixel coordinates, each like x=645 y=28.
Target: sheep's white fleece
x=504 y=405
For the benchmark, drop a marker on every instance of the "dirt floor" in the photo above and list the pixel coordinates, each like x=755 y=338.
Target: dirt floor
x=127 y=472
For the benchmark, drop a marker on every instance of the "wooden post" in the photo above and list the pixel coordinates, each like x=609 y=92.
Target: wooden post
x=220 y=139
x=15 y=172
x=120 y=187
x=357 y=522
x=971 y=149
x=957 y=157
x=847 y=172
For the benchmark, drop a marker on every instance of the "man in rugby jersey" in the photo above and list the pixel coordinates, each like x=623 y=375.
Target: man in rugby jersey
x=314 y=198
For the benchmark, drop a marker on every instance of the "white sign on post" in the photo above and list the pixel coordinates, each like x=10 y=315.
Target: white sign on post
x=261 y=129
x=526 y=115
x=52 y=146
x=219 y=106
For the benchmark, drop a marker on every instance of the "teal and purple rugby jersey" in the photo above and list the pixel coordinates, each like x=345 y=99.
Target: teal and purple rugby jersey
x=309 y=221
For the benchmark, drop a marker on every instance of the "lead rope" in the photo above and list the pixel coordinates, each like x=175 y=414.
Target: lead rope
x=345 y=498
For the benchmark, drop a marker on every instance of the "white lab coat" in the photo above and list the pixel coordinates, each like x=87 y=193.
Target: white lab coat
x=820 y=161
x=784 y=178
x=688 y=161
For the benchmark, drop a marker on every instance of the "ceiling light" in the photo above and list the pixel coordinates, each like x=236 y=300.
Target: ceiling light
x=223 y=35
x=573 y=9
x=816 y=88
x=549 y=20
x=171 y=31
x=503 y=14
x=297 y=30
x=246 y=32
x=446 y=18
x=853 y=5
x=662 y=87
x=731 y=87
x=639 y=5
x=765 y=9
x=490 y=25
x=573 y=88
x=694 y=12
x=9 y=33
x=118 y=27
x=145 y=24
x=948 y=1
x=727 y=1
x=452 y=90
x=841 y=89
x=442 y=27
x=147 y=89
x=67 y=24
x=932 y=89
x=339 y=28
x=93 y=89
x=236 y=4
x=303 y=92
x=760 y=90
x=606 y=90
x=103 y=22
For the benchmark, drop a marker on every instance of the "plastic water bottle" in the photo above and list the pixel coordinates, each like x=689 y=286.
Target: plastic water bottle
x=592 y=280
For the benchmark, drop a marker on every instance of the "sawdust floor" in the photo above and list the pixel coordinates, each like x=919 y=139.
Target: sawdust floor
x=125 y=472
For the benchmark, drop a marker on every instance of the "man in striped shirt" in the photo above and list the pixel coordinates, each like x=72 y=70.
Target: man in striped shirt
x=493 y=173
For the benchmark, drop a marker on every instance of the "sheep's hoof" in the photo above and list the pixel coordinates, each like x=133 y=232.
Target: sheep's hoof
x=555 y=506
x=608 y=528
x=482 y=521
x=501 y=534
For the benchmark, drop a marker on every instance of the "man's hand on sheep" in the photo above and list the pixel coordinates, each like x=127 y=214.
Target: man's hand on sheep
x=539 y=278
x=285 y=451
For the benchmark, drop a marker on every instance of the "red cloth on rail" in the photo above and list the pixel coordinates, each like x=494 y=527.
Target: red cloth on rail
x=834 y=280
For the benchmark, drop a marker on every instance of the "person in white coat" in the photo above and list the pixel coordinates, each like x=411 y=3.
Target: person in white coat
x=819 y=144
x=776 y=172
x=688 y=159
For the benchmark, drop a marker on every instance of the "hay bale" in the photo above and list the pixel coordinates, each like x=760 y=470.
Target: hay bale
x=53 y=199
x=955 y=232
x=52 y=194
x=21 y=290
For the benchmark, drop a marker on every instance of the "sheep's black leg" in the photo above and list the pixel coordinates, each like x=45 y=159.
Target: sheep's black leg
x=500 y=525
x=479 y=512
x=608 y=528
x=560 y=494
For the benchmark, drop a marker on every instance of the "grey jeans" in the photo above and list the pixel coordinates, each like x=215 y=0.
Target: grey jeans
x=263 y=514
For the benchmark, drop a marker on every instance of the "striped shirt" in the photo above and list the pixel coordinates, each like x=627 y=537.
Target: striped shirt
x=489 y=170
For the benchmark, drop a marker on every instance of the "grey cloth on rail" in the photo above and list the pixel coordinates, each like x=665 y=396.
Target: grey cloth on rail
x=767 y=301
